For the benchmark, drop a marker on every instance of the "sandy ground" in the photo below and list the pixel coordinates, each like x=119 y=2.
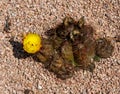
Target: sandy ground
x=20 y=74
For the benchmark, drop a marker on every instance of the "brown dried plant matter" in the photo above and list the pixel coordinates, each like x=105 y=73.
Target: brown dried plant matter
x=104 y=48
x=71 y=46
x=7 y=24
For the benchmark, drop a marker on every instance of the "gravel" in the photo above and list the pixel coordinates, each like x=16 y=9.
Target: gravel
x=20 y=74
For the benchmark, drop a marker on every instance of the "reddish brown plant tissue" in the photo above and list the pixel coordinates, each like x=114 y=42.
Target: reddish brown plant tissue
x=71 y=46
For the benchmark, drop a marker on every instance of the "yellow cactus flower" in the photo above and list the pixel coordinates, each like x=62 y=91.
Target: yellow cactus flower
x=32 y=43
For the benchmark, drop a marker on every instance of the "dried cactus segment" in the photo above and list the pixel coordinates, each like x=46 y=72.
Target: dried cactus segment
x=47 y=49
x=57 y=64
x=67 y=53
x=81 y=56
x=67 y=27
x=68 y=21
x=60 y=67
x=57 y=42
x=41 y=57
x=104 y=48
x=63 y=32
x=87 y=32
x=81 y=22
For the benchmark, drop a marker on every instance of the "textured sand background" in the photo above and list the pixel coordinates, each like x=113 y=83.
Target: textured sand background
x=18 y=75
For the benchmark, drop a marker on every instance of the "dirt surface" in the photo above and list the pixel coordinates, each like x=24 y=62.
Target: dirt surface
x=21 y=74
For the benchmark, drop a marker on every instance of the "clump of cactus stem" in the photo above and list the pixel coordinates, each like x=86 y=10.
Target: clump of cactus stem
x=69 y=47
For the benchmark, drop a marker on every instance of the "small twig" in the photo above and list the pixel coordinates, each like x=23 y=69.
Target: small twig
x=7 y=24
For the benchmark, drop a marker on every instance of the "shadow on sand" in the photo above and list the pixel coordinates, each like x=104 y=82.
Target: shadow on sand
x=18 y=51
